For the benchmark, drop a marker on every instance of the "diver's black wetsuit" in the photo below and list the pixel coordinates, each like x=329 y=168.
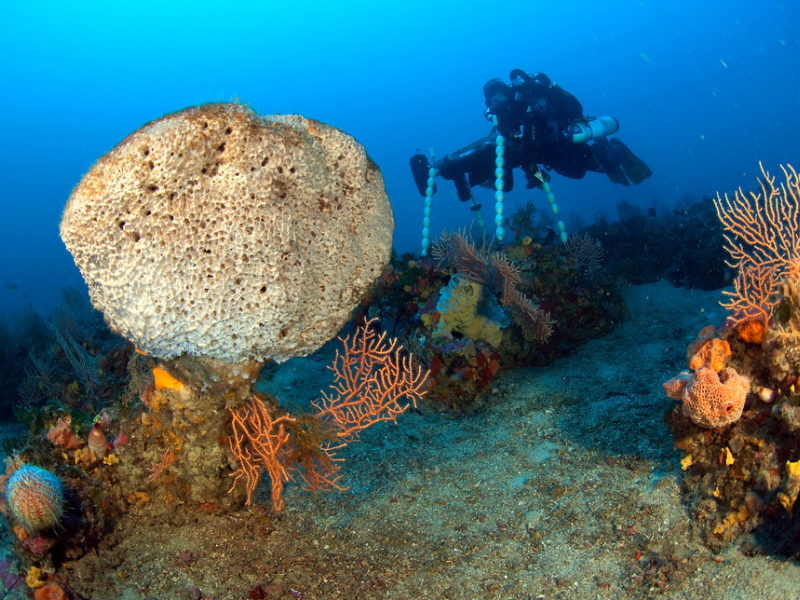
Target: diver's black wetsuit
x=536 y=115
x=533 y=115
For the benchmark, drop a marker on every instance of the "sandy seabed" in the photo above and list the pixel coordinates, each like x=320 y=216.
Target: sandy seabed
x=564 y=485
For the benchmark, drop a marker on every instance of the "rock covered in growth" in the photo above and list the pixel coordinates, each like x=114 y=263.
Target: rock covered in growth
x=217 y=232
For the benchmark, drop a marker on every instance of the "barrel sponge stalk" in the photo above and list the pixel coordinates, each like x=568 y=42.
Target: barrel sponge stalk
x=35 y=497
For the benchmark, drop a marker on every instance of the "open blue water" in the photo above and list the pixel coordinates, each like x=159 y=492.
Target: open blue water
x=703 y=92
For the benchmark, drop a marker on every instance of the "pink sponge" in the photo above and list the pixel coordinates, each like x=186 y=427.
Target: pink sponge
x=36 y=498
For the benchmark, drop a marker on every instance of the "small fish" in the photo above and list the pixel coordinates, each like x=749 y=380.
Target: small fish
x=723 y=63
x=12 y=285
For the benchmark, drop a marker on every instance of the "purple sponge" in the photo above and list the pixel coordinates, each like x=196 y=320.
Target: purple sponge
x=35 y=497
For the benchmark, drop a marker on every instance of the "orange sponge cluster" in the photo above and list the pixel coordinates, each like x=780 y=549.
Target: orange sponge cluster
x=713 y=396
x=714 y=400
x=712 y=354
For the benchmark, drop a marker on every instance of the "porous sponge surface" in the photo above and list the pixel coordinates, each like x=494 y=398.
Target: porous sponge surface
x=218 y=232
x=35 y=497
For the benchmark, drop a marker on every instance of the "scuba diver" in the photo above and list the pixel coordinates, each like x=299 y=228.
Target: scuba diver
x=542 y=124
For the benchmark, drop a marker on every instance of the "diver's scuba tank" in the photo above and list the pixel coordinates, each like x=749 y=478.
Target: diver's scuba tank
x=583 y=131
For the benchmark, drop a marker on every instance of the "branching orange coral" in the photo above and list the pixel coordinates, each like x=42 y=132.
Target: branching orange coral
x=313 y=456
x=763 y=228
x=373 y=382
x=763 y=240
x=754 y=295
x=370 y=380
x=258 y=441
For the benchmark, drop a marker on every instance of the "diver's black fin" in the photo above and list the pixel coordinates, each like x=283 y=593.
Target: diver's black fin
x=616 y=175
x=607 y=154
x=635 y=168
x=419 y=169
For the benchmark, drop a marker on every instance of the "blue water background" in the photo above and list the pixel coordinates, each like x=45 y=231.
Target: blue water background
x=703 y=92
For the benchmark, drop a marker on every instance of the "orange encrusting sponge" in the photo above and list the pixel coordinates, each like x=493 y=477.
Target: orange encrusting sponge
x=164 y=380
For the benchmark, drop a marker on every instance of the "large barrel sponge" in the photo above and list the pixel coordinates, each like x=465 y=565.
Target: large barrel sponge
x=217 y=232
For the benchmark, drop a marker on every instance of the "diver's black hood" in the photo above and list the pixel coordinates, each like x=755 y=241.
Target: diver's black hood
x=495 y=86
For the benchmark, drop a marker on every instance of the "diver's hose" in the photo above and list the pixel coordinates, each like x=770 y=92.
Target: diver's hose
x=499 y=150
x=476 y=208
x=552 y=200
x=426 y=220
